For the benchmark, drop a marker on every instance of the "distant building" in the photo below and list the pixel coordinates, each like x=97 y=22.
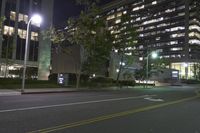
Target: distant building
x=13 y=34
x=171 y=27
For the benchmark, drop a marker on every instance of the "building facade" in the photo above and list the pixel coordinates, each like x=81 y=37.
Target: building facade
x=15 y=15
x=171 y=27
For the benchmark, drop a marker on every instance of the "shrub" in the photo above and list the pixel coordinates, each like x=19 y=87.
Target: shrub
x=53 y=78
x=127 y=82
x=100 y=82
x=190 y=81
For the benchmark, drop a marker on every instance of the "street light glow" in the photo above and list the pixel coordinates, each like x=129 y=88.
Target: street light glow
x=185 y=64
x=154 y=55
x=36 y=19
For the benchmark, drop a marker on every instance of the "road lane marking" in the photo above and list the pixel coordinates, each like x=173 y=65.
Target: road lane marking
x=154 y=99
x=111 y=116
x=76 y=103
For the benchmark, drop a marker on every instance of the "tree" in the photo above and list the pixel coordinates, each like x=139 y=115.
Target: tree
x=90 y=32
x=196 y=71
x=126 y=43
x=160 y=63
x=2 y=19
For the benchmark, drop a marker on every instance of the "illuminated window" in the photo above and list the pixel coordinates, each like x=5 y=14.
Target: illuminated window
x=176 y=49
x=34 y=36
x=192 y=34
x=153 y=20
x=8 y=30
x=177 y=35
x=118 y=21
x=166 y=56
x=176 y=28
x=138 y=19
x=22 y=33
x=141 y=47
x=110 y=17
x=157 y=38
x=124 y=12
x=194 y=41
x=181 y=14
x=25 y=18
x=173 y=42
x=169 y=10
x=119 y=14
x=138 y=8
x=194 y=27
x=135 y=9
x=121 y=8
x=128 y=54
x=110 y=28
x=12 y=15
x=154 y=2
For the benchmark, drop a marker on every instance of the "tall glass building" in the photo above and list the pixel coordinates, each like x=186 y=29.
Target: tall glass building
x=15 y=15
x=171 y=27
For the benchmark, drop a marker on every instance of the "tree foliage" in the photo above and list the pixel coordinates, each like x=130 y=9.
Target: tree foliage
x=127 y=40
x=2 y=19
x=91 y=32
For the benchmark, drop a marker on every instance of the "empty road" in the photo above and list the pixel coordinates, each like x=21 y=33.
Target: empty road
x=168 y=110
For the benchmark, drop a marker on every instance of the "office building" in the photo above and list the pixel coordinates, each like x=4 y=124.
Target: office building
x=15 y=15
x=171 y=27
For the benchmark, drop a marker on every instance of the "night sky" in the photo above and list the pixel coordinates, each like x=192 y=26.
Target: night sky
x=64 y=9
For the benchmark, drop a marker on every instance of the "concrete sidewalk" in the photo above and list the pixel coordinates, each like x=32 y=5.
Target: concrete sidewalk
x=13 y=92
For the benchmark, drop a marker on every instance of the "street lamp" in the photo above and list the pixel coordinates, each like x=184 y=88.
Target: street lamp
x=36 y=19
x=154 y=55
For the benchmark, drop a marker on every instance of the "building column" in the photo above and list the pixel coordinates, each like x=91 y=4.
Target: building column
x=44 y=57
x=3 y=6
x=16 y=31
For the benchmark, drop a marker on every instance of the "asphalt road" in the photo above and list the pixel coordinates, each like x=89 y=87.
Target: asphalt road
x=148 y=111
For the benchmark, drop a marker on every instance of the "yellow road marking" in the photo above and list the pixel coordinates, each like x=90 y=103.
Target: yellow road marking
x=106 y=117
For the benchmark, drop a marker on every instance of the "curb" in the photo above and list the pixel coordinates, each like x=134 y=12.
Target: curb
x=10 y=94
x=43 y=92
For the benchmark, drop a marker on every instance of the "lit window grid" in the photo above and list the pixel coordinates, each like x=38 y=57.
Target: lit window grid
x=21 y=18
x=170 y=27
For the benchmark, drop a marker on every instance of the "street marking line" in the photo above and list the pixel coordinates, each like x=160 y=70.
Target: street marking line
x=111 y=116
x=76 y=103
x=153 y=99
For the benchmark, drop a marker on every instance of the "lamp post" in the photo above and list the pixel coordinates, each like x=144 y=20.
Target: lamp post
x=36 y=19
x=154 y=55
